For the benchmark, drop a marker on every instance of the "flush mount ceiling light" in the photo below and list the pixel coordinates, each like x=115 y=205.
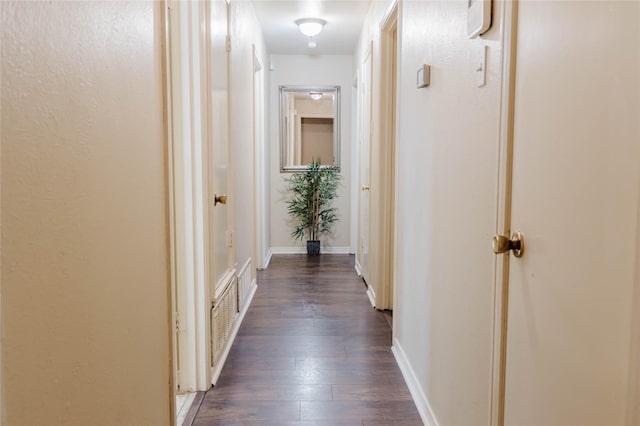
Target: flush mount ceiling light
x=315 y=95
x=310 y=26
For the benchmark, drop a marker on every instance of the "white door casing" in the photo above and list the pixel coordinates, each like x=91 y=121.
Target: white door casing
x=198 y=159
x=387 y=146
x=188 y=187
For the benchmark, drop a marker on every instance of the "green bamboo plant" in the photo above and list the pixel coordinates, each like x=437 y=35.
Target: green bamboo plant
x=312 y=193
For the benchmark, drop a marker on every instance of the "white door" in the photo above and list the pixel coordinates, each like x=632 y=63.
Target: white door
x=221 y=236
x=576 y=178
x=365 y=162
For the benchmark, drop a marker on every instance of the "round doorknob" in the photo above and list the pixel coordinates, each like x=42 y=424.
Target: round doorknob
x=502 y=244
x=222 y=199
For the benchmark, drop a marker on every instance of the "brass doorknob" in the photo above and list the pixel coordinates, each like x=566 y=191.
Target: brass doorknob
x=365 y=187
x=222 y=199
x=501 y=244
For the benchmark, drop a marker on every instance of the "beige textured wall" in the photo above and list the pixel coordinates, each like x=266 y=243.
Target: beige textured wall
x=84 y=223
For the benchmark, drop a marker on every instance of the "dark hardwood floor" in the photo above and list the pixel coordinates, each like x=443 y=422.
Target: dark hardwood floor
x=311 y=351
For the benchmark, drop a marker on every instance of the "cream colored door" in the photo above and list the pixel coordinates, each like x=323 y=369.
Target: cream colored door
x=576 y=177
x=364 y=90
x=221 y=235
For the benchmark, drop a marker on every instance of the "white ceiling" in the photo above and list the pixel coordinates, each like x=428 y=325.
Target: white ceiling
x=340 y=35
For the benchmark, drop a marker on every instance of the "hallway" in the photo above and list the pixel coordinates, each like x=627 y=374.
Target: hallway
x=311 y=351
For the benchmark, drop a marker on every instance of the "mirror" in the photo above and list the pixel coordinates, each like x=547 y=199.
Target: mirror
x=309 y=126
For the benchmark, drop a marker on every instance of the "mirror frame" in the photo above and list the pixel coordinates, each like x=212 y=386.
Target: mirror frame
x=336 y=125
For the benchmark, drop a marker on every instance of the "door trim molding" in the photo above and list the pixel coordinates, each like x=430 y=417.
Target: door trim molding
x=259 y=200
x=508 y=18
x=633 y=403
x=189 y=206
x=386 y=140
x=166 y=6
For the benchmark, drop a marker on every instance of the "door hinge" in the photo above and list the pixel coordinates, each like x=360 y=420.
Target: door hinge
x=177 y=323
x=227 y=42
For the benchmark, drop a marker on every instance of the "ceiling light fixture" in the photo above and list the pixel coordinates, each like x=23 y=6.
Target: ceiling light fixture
x=310 y=26
x=315 y=95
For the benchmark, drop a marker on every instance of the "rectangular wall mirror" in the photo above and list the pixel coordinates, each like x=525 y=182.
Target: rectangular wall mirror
x=309 y=126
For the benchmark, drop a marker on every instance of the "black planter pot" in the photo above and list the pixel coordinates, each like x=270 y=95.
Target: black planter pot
x=313 y=247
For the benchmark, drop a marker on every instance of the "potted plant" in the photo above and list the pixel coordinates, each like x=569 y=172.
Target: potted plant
x=312 y=193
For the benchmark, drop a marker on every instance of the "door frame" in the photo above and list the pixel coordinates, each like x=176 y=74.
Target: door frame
x=633 y=404
x=509 y=20
x=259 y=171
x=355 y=165
x=168 y=112
x=386 y=248
x=189 y=207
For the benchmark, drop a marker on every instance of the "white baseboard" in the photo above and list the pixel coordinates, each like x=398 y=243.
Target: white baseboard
x=372 y=295
x=217 y=369
x=267 y=258
x=358 y=269
x=419 y=398
x=303 y=250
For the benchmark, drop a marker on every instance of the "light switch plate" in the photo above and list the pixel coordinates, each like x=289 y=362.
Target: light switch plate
x=424 y=76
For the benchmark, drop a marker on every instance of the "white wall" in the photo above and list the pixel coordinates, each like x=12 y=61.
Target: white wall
x=86 y=336
x=446 y=151
x=298 y=70
x=448 y=141
x=245 y=32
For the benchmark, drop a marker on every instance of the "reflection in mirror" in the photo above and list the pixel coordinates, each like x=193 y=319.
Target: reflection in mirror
x=309 y=126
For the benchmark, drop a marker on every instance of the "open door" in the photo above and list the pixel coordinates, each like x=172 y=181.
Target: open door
x=365 y=132
x=575 y=197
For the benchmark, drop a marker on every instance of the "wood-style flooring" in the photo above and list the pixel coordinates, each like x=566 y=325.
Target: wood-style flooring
x=311 y=351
